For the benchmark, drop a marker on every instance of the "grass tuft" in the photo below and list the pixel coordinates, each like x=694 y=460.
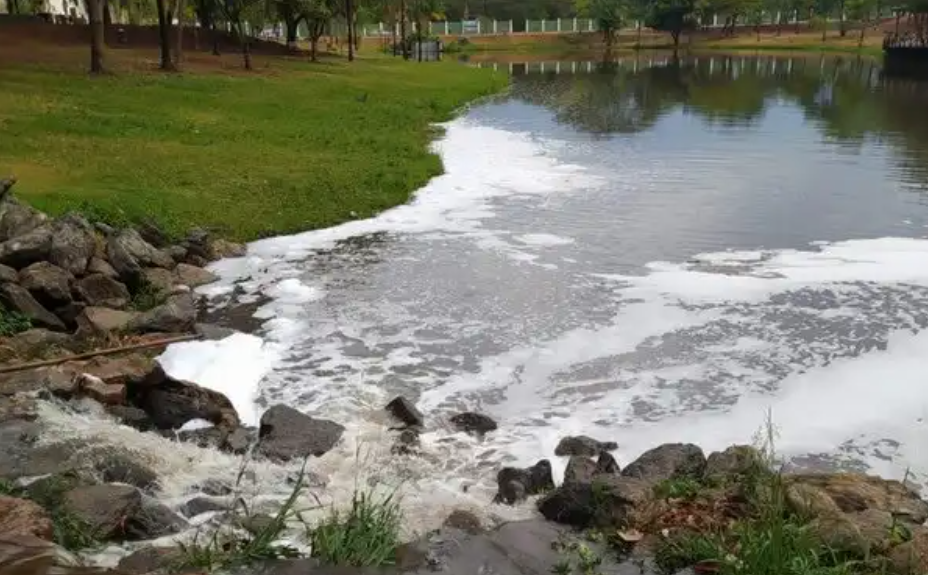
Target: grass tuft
x=677 y=488
x=366 y=535
x=12 y=322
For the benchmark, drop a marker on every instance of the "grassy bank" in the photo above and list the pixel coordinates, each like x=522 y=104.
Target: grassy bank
x=294 y=147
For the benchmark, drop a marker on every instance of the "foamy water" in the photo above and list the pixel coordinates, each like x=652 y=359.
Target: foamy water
x=510 y=285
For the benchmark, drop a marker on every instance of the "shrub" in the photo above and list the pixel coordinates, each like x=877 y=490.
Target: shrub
x=366 y=535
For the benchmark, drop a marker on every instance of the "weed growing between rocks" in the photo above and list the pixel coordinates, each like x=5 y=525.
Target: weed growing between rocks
x=366 y=535
x=145 y=296
x=12 y=323
x=69 y=530
x=677 y=488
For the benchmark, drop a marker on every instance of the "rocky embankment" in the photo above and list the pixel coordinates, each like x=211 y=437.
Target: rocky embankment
x=672 y=510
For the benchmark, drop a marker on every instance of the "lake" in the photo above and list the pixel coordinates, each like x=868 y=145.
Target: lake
x=642 y=250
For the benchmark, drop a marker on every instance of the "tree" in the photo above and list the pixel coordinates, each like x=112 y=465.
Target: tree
x=164 y=35
x=292 y=12
x=317 y=14
x=236 y=13
x=609 y=16
x=673 y=16
x=861 y=11
x=97 y=35
x=207 y=12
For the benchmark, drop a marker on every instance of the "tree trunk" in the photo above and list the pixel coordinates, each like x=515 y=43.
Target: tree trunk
x=215 y=35
x=164 y=35
x=292 y=26
x=179 y=50
x=638 y=39
x=403 y=29
x=349 y=20
x=675 y=34
x=246 y=47
x=97 y=36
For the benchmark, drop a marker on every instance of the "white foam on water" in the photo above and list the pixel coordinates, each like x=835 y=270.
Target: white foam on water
x=543 y=240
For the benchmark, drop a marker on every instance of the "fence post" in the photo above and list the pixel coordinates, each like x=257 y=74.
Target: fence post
x=542 y=24
x=446 y=27
x=558 y=24
x=478 y=26
x=495 y=26
x=573 y=27
x=590 y=25
x=510 y=29
x=526 y=26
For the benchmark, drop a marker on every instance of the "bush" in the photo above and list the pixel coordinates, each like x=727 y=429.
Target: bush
x=365 y=535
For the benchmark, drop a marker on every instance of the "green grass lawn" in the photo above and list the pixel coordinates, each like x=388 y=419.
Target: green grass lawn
x=298 y=148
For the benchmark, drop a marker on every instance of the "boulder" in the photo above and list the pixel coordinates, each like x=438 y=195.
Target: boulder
x=131 y=417
x=606 y=501
x=18 y=299
x=153 y=234
x=407 y=442
x=8 y=274
x=583 y=446
x=515 y=484
x=876 y=527
x=201 y=505
x=100 y=391
x=120 y=467
x=160 y=280
x=213 y=332
x=23 y=517
x=99 y=290
x=119 y=370
x=405 y=411
x=810 y=501
x=216 y=487
x=474 y=423
x=170 y=403
x=239 y=440
x=121 y=513
x=736 y=461
x=149 y=560
x=28 y=555
x=69 y=312
x=855 y=492
x=839 y=535
x=198 y=246
x=286 y=434
x=142 y=252
x=18 y=219
x=26 y=249
x=177 y=314
x=41 y=342
x=177 y=253
x=192 y=276
x=222 y=249
x=126 y=266
x=48 y=283
x=102 y=267
x=52 y=380
x=580 y=469
x=606 y=464
x=464 y=521
x=104 y=229
x=100 y=320
x=73 y=244
x=911 y=556
x=668 y=461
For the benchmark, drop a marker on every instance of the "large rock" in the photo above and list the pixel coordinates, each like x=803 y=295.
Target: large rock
x=192 y=276
x=855 y=492
x=474 y=423
x=27 y=249
x=405 y=411
x=39 y=342
x=101 y=320
x=53 y=380
x=121 y=513
x=28 y=555
x=149 y=560
x=736 y=462
x=515 y=484
x=170 y=403
x=99 y=290
x=606 y=501
x=159 y=280
x=668 y=461
x=225 y=249
x=18 y=219
x=121 y=260
x=141 y=251
x=17 y=299
x=153 y=234
x=131 y=417
x=120 y=467
x=73 y=243
x=8 y=274
x=286 y=434
x=177 y=314
x=23 y=517
x=584 y=446
x=911 y=556
x=101 y=266
x=48 y=283
x=201 y=505
x=580 y=470
x=810 y=501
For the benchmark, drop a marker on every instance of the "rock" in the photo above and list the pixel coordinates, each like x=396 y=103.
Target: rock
x=8 y=274
x=668 y=461
x=196 y=260
x=170 y=403
x=405 y=411
x=207 y=437
x=840 y=535
x=149 y=560
x=606 y=501
x=73 y=244
x=222 y=249
x=911 y=556
x=104 y=228
x=854 y=492
x=193 y=276
x=514 y=483
x=200 y=505
x=153 y=234
x=584 y=446
x=876 y=527
x=121 y=370
x=26 y=249
x=131 y=416
x=28 y=555
x=198 y=246
x=159 y=279
x=215 y=487
x=213 y=332
x=474 y=423
x=100 y=391
x=40 y=342
x=120 y=512
x=101 y=320
x=23 y=517
x=18 y=219
x=257 y=524
x=736 y=461
x=809 y=501
x=465 y=521
x=286 y=434
x=18 y=299
x=177 y=253
x=69 y=313
x=101 y=267
x=407 y=442
x=99 y=290
x=52 y=380
x=18 y=408
x=144 y=254
x=126 y=266
x=239 y=441
x=48 y=283
x=177 y=314
x=580 y=470
x=607 y=465
x=117 y=467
